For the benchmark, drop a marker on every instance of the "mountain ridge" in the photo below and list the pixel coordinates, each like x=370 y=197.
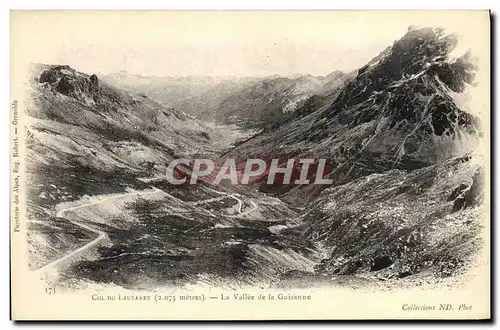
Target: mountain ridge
x=221 y=98
x=394 y=113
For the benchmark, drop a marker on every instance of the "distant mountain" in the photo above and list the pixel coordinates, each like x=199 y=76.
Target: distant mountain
x=196 y=95
x=269 y=100
x=249 y=101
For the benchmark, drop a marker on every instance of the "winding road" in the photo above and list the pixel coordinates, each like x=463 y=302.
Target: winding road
x=53 y=265
x=235 y=197
x=101 y=234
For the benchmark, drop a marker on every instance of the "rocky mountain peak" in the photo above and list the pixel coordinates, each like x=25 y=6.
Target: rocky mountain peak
x=335 y=74
x=94 y=80
x=424 y=51
x=407 y=89
x=397 y=112
x=79 y=86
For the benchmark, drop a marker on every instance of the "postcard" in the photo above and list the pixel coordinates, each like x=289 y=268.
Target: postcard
x=250 y=165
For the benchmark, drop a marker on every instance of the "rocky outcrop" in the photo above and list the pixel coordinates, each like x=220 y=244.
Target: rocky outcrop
x=469 y=195
x=81 y=87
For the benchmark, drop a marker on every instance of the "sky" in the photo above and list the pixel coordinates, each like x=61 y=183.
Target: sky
x=218 y=43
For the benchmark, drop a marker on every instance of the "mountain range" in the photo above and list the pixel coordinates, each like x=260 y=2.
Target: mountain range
x=248 y=101
x=407 y=192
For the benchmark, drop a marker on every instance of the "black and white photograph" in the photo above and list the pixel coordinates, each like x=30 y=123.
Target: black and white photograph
x=190 y=158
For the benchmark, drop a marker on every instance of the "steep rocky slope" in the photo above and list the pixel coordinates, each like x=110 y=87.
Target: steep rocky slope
x=71 y=105
x=398 y=223
x=397 y=112
x=407 y=184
